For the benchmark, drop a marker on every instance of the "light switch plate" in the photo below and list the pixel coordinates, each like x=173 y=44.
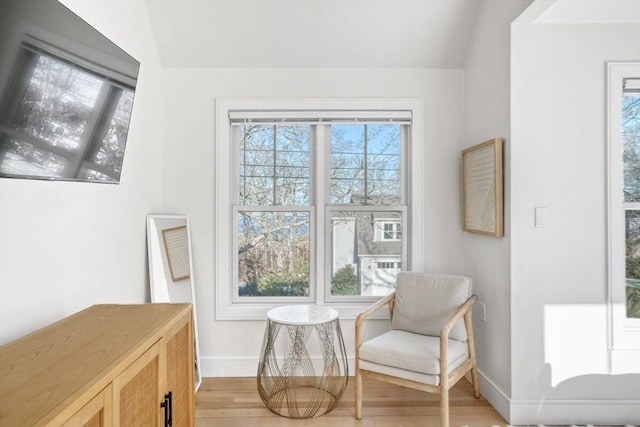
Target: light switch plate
x=541 y=215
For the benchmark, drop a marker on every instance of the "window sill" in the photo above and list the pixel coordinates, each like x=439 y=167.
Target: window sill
x=249 y=311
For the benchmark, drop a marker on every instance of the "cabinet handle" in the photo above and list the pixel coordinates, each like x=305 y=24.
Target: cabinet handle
x=165 y=405
x=169 y=397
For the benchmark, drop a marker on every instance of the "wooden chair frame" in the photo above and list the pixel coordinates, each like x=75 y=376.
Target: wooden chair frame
x=447 y=379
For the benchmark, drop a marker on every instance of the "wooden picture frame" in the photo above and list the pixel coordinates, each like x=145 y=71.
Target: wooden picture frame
x=482 y=189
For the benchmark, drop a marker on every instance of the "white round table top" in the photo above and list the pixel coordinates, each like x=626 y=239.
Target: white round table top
x=300 y=315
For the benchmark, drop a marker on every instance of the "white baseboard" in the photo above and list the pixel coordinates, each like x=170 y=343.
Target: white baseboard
x=563 y=412
x=572 y=412
x=229 y=366
x=494 y=395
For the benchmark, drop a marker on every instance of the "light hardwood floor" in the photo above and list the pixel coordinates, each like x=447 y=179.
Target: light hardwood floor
x=234 y=402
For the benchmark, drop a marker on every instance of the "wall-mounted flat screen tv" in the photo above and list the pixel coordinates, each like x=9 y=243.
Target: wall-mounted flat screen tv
x=66 y=95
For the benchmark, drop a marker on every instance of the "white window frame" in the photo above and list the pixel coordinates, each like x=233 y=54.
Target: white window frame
x=624 y=333
x=227 y=307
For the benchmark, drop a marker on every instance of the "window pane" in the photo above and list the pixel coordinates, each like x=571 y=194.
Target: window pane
x=274 y=165
x=383 y=164
x=93 y=175
x=631 y=142
x=57 y=103
x=347 y=163
x=363 y=263
x=111 y=152
x=273 y=253
x=365 y=164
x=390 y=230
x=633 y=262
x=21 y=158
x=256 y=165
x=631 y=189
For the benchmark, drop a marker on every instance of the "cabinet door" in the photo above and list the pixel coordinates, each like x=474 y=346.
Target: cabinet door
x=97 y=413
x=136 y=401
x=180 y=372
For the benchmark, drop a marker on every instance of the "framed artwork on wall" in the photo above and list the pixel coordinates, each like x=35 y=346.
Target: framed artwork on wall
x=482 y=189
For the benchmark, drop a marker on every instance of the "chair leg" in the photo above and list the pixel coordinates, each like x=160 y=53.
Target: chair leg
x=444 y=407
x=474 y=381
x=358 y=393
x=468 y=322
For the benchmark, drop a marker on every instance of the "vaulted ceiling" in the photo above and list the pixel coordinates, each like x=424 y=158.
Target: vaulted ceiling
x=313 y=33
x=342 y=33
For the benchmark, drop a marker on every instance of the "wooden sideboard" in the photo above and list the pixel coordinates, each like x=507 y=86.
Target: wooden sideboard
x=108 y=365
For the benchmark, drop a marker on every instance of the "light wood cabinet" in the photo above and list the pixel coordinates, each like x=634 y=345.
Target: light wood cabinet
x=108 y=365
x=93 y=413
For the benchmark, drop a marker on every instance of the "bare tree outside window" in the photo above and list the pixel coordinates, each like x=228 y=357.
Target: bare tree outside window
x=273 y=244
x=365 y=164
x=631 y=189
x=273 y=253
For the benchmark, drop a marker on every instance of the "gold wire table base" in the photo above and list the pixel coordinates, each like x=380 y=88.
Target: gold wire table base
x=290 y=385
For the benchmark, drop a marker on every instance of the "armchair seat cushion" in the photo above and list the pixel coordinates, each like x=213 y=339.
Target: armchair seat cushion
x=412 y=352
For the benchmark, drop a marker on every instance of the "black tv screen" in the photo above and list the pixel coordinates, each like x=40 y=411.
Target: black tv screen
x=66 y=95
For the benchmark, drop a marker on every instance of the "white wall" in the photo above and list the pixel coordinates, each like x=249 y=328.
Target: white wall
x=232 y=347
x=65 y=246
x=487 y=259
x=559 y=362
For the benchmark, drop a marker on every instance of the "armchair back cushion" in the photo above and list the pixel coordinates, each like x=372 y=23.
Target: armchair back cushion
x=423 y=303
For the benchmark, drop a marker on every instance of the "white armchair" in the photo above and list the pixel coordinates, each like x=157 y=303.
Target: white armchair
x=430 y=345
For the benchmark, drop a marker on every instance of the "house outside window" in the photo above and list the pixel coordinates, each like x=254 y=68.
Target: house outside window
x=354 y=243
x=318 y=202
x=624 y=207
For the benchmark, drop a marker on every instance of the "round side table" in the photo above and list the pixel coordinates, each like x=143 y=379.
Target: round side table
x=292 y=383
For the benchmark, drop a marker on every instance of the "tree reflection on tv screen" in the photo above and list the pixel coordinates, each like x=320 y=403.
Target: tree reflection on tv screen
x=62 y=116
